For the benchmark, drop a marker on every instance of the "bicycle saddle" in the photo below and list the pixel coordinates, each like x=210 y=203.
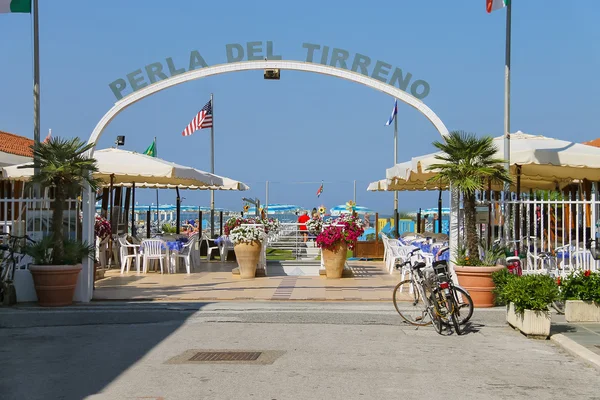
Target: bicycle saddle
x=419 y=265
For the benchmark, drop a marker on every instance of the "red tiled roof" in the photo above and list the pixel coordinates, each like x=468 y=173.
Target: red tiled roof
x=595 y=142
x=15 y=144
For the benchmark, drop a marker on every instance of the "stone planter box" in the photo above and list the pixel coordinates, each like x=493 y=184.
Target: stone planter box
x=534 y=324
x=582 y=311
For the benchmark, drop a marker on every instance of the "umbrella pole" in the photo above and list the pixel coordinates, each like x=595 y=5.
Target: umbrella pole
x=133 y=209
x=178 y=212
x=440 y=211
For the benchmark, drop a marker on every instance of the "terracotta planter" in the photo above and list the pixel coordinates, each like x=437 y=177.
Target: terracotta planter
x=55 y=284
x=582 y=311
x=478 y=282
x=534 y=324
x=247 y=256
x=335 y=260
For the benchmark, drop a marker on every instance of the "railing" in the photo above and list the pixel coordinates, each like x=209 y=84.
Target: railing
x=33 y=217
x=553 y=233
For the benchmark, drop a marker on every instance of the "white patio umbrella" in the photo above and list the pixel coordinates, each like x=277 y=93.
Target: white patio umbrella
x=127 y=167
x=544 y=163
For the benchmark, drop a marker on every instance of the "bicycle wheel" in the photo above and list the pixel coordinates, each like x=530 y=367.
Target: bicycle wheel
x=464 y=303
x=410 y=305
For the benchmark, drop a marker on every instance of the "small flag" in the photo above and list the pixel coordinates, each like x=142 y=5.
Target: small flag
x=320 y=190
x=204 y=119
x=151 y=150
x=493 y=5
x=394 y=112
x=15 y=6
x=48 y=137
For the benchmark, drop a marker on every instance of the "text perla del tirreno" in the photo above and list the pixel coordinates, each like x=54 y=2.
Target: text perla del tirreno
x=254 y=51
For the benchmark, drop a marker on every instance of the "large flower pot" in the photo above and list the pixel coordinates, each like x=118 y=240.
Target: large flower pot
x=582 y=311
x=478 y=282
x=534 y=324
x=247 y=256
x=55 y=284
x=334 y=260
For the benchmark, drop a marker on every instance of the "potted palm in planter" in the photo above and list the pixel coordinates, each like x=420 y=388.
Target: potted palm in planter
x=581 y=293
x=65 y=167
x=247 y=243
x=335 y=240
x=528 y=297
x=468 y=163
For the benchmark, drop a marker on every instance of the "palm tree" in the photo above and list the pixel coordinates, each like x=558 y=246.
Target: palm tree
x=64 y=165
x=468 y=163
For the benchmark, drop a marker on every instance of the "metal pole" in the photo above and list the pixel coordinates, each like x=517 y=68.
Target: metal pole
x=396 y=162
x=36 y=77
x=507 y=94
x=157 y=215
x=507 y=119
x=212 y=167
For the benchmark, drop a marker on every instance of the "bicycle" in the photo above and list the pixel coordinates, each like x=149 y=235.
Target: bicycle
x=435 y=300
x=11 y=257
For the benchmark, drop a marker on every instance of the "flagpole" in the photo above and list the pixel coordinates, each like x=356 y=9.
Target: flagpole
x=36 y=84
x=507 y=92
x=212 y=167
x=396 y=162
x=507 y=111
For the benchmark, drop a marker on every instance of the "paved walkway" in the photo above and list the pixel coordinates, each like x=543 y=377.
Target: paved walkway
x=369 y=282
x=312 y=350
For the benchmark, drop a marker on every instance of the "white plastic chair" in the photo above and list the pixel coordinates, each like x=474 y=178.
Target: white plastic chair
x=102 y=250
x=186 y=254
x=155 y=249
x=127 y=258
x=209 y=248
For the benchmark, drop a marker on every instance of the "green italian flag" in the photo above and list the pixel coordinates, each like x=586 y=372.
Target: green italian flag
x=15 y=6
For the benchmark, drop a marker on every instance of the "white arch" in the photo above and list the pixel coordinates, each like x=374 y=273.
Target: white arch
x=266 y=64
x=84 y=290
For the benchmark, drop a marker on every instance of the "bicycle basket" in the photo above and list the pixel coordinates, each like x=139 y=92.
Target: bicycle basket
x=592 y=246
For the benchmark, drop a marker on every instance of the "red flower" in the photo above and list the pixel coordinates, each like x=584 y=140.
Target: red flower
x=587 y=273
x=558 y=281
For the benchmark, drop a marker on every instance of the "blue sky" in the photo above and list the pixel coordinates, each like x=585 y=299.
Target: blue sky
x=305 y=127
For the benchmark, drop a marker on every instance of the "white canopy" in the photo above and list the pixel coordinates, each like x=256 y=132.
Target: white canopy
x=128 y=167
x=545 y=164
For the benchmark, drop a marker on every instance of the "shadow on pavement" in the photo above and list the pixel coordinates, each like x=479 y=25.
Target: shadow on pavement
x=55 y=354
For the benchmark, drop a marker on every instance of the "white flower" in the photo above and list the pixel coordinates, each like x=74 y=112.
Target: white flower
x=247 y=234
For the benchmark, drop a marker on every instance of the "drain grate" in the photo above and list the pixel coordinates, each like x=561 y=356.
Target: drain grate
x=225 y=356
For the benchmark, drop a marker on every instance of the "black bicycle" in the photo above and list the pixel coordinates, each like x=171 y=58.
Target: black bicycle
x=12 y=255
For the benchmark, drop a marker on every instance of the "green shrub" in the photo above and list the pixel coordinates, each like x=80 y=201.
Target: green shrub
x=530 y=292
x=168 y=228
x=583 y=285
x=500 y=279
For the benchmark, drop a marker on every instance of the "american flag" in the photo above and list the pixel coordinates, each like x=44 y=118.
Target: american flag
x=204 y=119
